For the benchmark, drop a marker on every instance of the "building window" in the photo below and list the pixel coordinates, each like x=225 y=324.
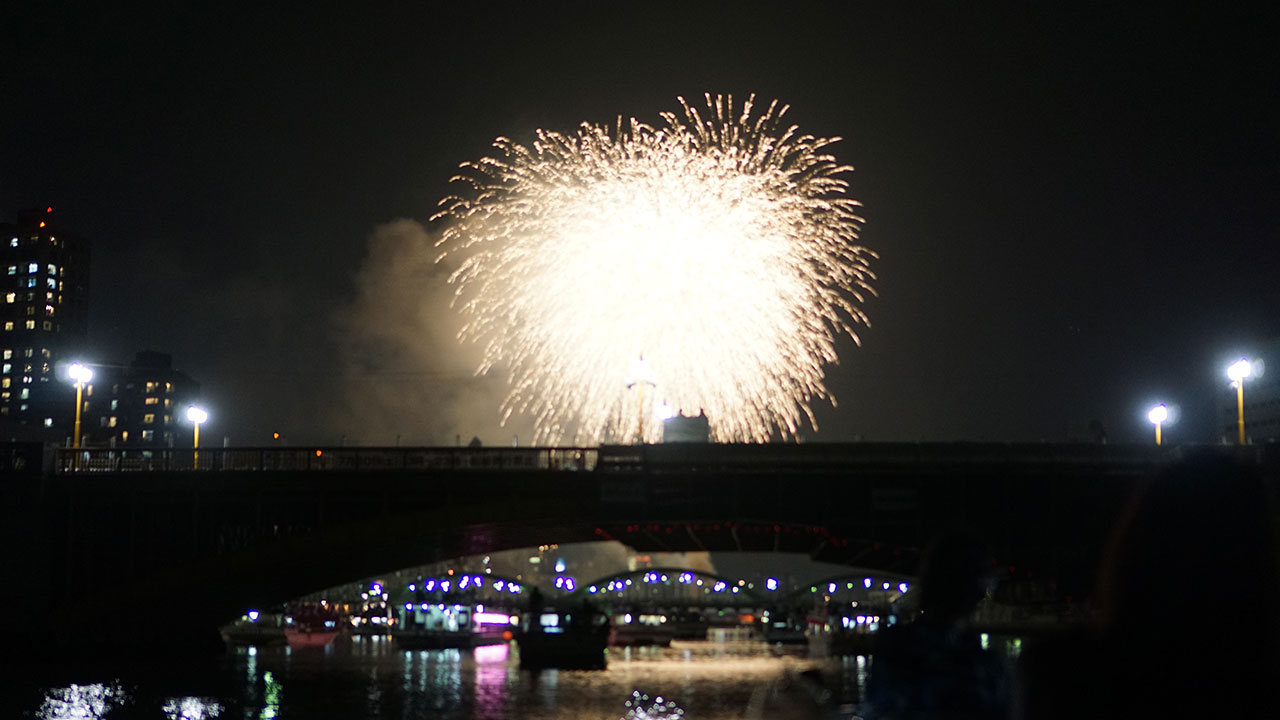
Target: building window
x=8 y=354
x=13 y=269
x=115 y=404
x=47 y=325
x=5 y=382
x=48 y=422
x=150 y=401
x=31 y=310
x=31 y=324
x=148 y=434
x=53 y=269
x=48 y=310
x=168 y=387
x=8 y=325
x=10 y=297
x=88 y=390
x=33 y=268
x=124 y=435
x=148 y=419
x=45 y=352
x=111 y=422
x=7 y=368
x=25 y=394
x=28 y=352
x=151 y=387
x=168 y=419
x=168 y=403
x=31 y=282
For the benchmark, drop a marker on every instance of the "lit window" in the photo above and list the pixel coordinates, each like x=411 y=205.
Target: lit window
x=88 y=390
x=151 y=387
x=48 y=310
x=45 y=352
x=28 y=352
x=33 y=268
x=150 y=401
x=5 y=382
x=48 y=422
x=31 y=324
x=168 y=419
x=13 y=269
x=13 y=242
x=5 y=395
x=23 y=407
x=44 y=368
x=168 y=387
x=10 y=297
x=112 y=421
x=148 y=418
x=7 y=368
x=8 y=354
x=115 y=404
x=26 y=368
x=26 y=393
x=53 y=269
x=26 y=379
x=8 y=325
x=148 y=434
x=168 y=402
x=53 y=284
x=48 y=297
x=31 y=282
x=124 y=435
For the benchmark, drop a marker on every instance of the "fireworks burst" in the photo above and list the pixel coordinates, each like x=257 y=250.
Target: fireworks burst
x=719 y=247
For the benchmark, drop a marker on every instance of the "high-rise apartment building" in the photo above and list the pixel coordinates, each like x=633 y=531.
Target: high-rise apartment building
x=141 y=405
x=43 y=318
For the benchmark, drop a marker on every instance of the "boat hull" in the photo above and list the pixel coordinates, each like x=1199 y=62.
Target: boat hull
x=562 y=651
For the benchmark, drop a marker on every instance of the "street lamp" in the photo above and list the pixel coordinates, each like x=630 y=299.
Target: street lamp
x=1157 y=416
x=1238 y=371
x=196 y=415
x=82 y=375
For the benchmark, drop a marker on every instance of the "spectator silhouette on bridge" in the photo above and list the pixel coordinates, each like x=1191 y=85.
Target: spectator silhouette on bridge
x=1187 y=603
x=935 y=666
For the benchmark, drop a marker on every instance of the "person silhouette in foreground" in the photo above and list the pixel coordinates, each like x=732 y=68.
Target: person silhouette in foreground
x=934 y=666
x=1186 y=622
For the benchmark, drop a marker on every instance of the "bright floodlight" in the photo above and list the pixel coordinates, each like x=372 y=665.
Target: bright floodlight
x=79 y=373
x=1158 y=414
x=197 y=415
x=1240 y=370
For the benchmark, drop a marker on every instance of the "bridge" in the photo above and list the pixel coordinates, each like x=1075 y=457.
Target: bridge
x=156 y=548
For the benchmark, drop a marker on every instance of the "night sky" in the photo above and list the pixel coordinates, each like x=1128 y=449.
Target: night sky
x=1077 y=209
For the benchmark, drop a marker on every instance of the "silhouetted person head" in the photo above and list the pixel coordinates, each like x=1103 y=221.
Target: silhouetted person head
x=955 y=576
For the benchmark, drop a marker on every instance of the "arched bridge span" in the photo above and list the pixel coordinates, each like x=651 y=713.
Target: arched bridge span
x=104 y=536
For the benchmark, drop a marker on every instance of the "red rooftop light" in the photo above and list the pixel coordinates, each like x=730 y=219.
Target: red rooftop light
x=48 y=209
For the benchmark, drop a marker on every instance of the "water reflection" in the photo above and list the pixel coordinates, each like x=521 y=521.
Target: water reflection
x=191 y=708
x=640 y=707
x=372 y=680
x=81 y=702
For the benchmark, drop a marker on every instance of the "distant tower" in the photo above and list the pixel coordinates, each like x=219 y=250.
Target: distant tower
x=43 y=318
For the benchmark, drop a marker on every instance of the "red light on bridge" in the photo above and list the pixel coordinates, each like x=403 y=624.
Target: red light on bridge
x=319 y=453
x=48 y=209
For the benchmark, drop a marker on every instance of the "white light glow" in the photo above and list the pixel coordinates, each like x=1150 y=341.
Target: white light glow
x=720 y=247
x=197 y=415
x=79 y=373
x=1158 y=414
x=1240 y=370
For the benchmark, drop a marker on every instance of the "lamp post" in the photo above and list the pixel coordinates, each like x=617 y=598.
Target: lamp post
x=1238 y=371
x=1157 y=416
x=82 y=375
x=196 y=415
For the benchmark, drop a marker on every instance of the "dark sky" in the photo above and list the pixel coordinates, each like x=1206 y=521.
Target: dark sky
x=1077 y=209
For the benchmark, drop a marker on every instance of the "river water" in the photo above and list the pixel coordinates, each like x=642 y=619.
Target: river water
x=369 y=678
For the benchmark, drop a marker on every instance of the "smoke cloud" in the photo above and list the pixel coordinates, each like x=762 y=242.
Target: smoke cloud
x=408 y=379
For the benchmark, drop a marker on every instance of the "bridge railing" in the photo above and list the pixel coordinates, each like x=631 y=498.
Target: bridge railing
x=116 y=460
